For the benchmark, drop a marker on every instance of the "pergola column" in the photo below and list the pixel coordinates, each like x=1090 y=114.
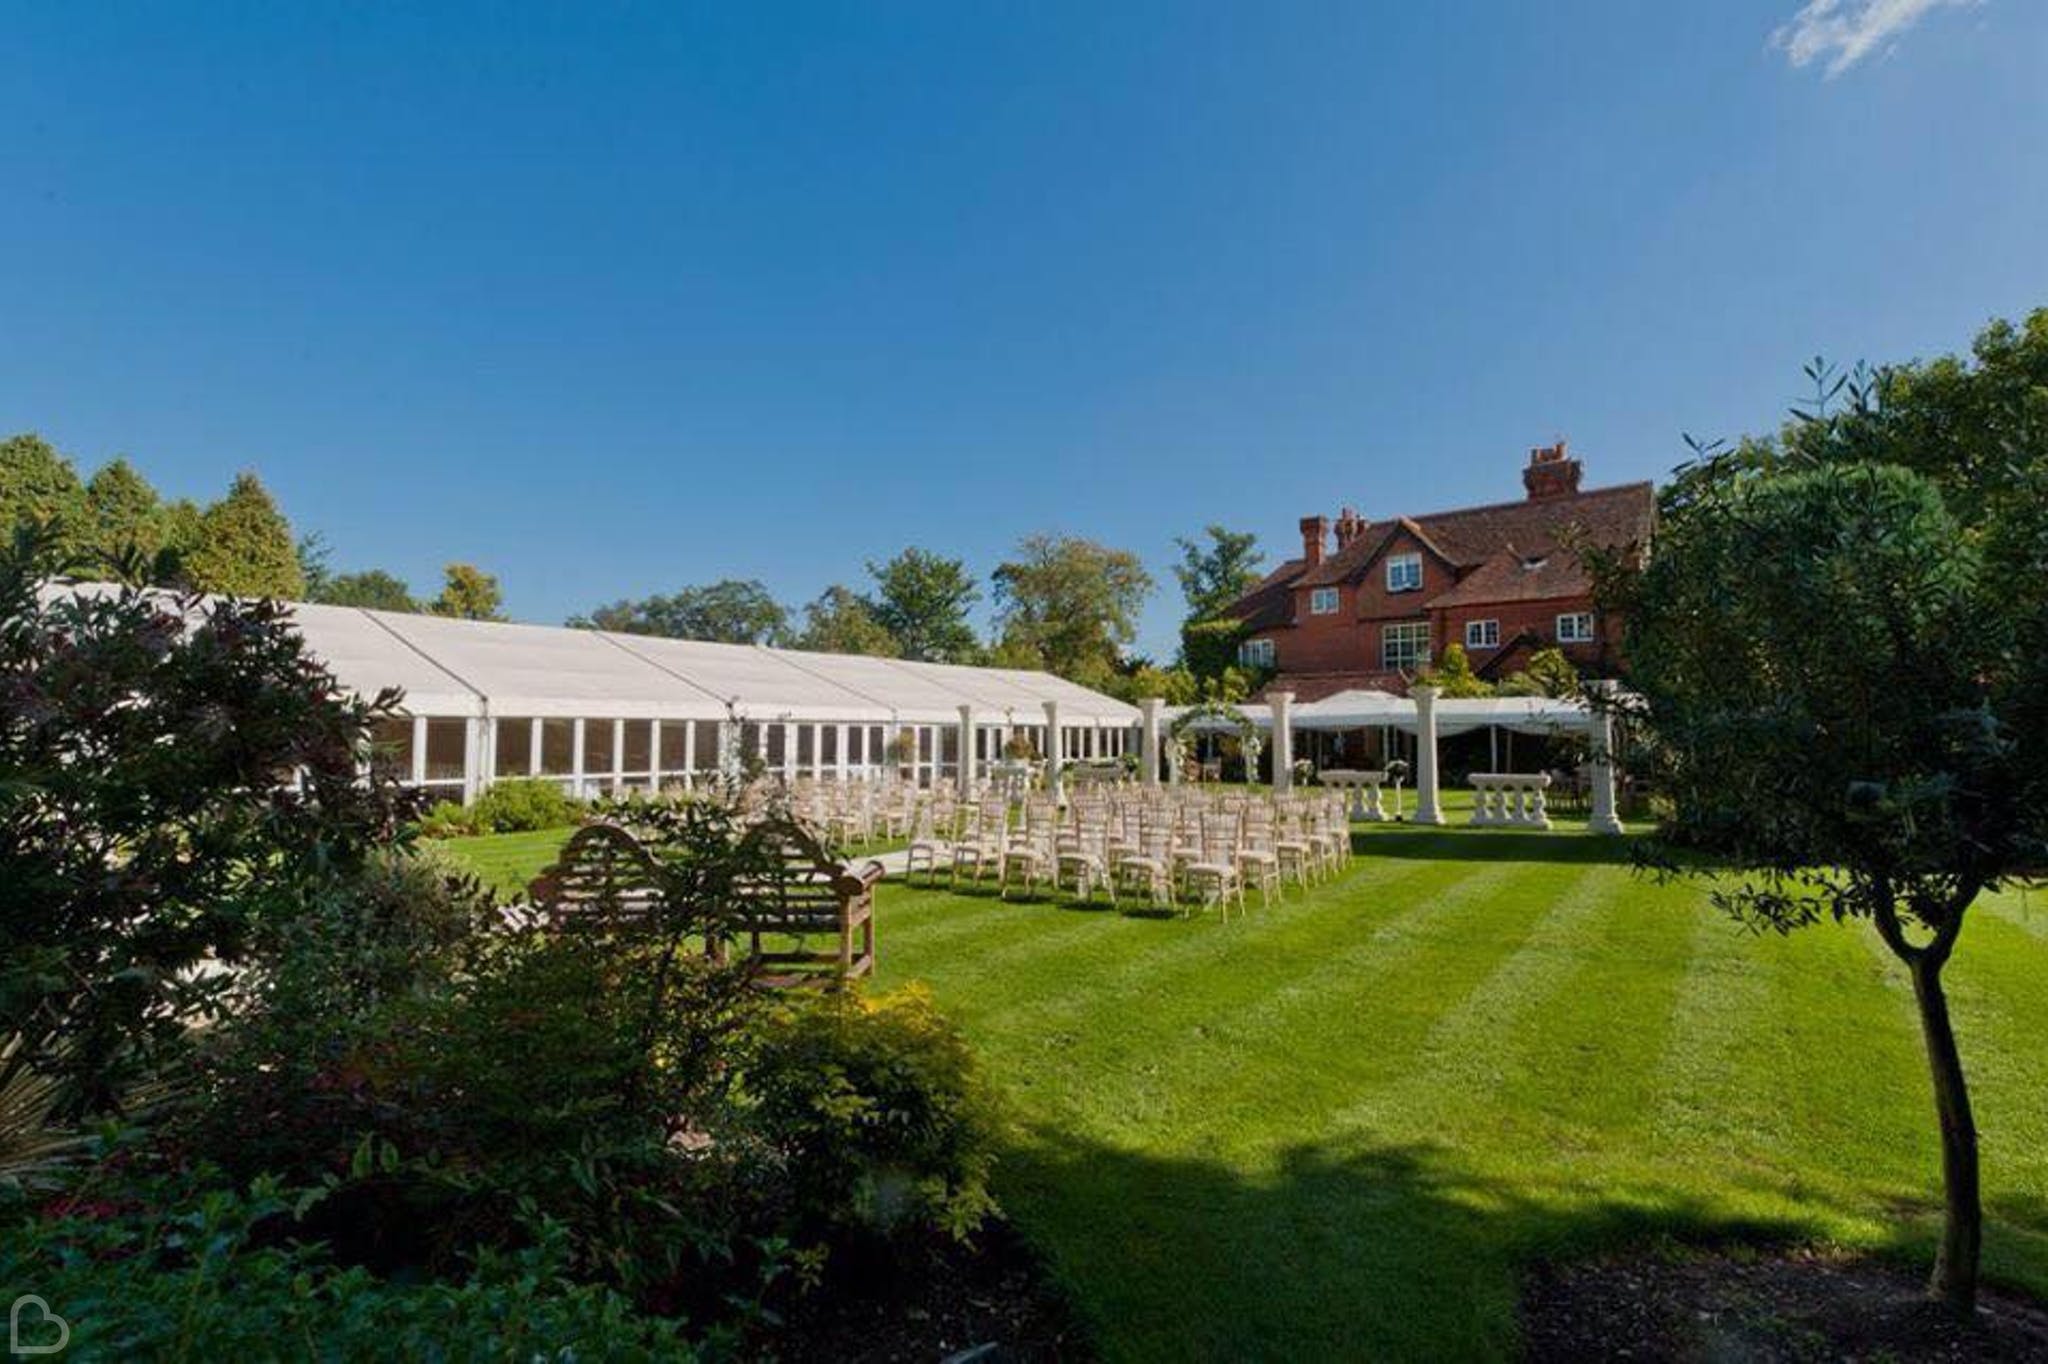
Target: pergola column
x=1148 y=720
x=1282 y=703
x=1601 y=718
x=1427 y=810
x=967 y=755
x=1052 y=750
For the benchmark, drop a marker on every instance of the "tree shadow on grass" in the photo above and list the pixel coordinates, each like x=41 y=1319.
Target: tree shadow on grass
x=1393 y=1252
x=1453 y=844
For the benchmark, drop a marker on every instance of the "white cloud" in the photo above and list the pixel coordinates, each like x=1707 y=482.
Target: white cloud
x=1846 y=31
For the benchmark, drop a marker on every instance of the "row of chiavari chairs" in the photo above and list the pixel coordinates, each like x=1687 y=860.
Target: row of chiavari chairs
x=1178 y=847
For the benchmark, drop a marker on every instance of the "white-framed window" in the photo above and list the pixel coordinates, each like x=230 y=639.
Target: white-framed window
x=1575 y=627
x=1256 y=653
x=1405 y=645
x=1322 y=601
x=1404 y=573
x=1482 y=634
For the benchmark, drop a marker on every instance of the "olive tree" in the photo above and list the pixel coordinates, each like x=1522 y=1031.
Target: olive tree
x=1836 y=690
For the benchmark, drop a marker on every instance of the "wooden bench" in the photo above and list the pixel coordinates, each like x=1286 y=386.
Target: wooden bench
x=606 y=879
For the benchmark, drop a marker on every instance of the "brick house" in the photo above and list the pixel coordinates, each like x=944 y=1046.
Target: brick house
x=1369 y=603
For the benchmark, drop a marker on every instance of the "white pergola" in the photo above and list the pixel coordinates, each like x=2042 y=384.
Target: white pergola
x=599 y=711
x=1428 y=716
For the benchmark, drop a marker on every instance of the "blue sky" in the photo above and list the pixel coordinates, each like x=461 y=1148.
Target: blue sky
x=614 y=299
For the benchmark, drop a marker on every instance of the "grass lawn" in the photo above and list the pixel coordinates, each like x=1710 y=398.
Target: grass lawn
x=1341 y=1129
x=507 y=863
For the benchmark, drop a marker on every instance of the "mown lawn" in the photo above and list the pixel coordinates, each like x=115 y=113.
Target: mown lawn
x=507 y=863
x=1342 y=1129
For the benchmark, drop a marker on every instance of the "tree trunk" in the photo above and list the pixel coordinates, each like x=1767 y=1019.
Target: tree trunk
x=1955 y=1264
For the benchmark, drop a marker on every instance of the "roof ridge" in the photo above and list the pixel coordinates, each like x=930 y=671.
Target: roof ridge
x=1579 y=496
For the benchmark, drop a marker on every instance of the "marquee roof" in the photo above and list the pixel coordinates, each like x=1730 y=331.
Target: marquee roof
x=464 y=668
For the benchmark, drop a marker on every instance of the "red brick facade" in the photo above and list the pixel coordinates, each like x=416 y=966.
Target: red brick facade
x=1349 y=612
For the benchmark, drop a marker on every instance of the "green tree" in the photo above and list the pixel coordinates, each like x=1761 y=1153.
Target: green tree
x=1549 y=673
x=1175 y=686
x=1845 y=704
x=468 y=593
x=1073 y=602
x=1453 y=674
x=39 y=484
x=731 y=611
x=842 y=621
x=124 y=516
x=1216 y=570
x=923 y=599
x=245 y=546
x=373 y=588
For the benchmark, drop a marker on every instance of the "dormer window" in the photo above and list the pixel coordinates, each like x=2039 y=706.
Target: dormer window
x=1322 y=601
x=1404 y=573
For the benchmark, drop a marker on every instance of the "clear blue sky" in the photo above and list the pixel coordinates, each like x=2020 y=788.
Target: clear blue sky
x=615 y=299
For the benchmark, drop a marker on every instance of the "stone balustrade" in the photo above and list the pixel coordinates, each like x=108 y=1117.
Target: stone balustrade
x=1513 y=800
x=1364 y=788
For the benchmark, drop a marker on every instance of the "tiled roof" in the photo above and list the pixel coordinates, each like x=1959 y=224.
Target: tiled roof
x=1511 y=576
x=1271 y=603
x=1474 y=539
x=1315 y=686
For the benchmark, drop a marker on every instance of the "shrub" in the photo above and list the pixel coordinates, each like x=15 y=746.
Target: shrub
x=522 y=806
x=875 y=1108
x=178 y=1267
x=175 y=772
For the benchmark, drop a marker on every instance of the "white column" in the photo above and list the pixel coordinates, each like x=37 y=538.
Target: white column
x=1604 y=820
x=1053 y=781
x=654 y=756
x=1148 y=719
x=536 y=743
x=419 y=750
x=689 y=754
x=788 y=751
x=1427 y=811
x=475 y=758
x=1282 y=703
x=966 y=750
x=618 y=755
x=576 y=757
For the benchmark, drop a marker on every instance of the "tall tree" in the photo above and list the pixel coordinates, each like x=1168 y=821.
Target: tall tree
x=468 y=593
x=373 y=588
x=1216 y=570
x=732 y=611
x=922 y=599
x=124 y=515
x=39 y=484
x=1840 y=643
x=245 y=546
x=841 y=621
x=1072 y=602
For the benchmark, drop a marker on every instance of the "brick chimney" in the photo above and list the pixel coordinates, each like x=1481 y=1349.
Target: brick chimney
x=1550 y=473
x=1350 y=525
x=1314 y=531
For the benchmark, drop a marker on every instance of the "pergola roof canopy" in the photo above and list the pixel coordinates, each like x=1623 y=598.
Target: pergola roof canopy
x=465 y=668
x=1366 y=709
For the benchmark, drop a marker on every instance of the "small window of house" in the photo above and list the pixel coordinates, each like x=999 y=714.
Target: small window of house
x=1575 y=627
x=1482 y=634
x=1404 y=573
x=1256 y=653
x=1322 y=601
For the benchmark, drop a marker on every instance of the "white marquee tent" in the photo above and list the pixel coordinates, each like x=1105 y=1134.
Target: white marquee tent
x=596 y=710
